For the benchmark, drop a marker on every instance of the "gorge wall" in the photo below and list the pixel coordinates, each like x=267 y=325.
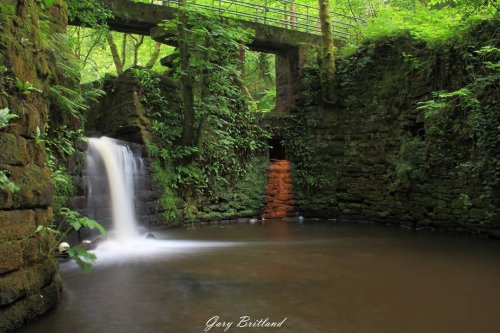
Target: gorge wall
x=385 y=153
x=29 y=282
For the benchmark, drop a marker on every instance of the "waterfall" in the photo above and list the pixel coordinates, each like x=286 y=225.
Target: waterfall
x=111 y=175
x=112 y=169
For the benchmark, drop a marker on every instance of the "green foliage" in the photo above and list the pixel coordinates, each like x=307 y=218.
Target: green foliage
x=165 y=116
x=267 y=100
x=72 y=221
x=91 y=13
x=468 y=119
x=466 y=202
x=26 y=88
x=470 y=112
x=6 y=117
x=411 y=165
x=6 y=11
x=227 y=132
x=76 y=221
x=68 y=103
x=46 y=3
x=436 y=23
x=168 y=202
x=82 y=257
x=5 y=182
x=63 y=186
x=260 y=80
x=69 y=98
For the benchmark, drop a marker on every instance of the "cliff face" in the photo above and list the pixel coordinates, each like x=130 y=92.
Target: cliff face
x=412 y=139
x=29 y=283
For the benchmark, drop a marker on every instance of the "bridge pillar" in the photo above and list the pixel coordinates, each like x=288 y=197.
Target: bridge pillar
x=289 y=66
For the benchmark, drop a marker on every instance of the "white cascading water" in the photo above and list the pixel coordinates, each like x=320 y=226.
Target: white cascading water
x=121 y=168
x=111 y=171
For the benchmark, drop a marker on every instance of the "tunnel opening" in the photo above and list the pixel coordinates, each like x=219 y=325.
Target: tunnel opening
x=277 y=150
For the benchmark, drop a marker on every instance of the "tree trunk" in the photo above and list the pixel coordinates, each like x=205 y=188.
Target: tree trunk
x=114 y=53
x=137 y=45
x=327 y=53
x=124 y=50
x=154 y=56
x=186 y=78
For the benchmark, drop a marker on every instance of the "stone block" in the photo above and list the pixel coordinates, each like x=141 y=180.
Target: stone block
x=36 y=152
x=16 y=224
x=13 y=150
x=35 y=188
x=28 y=308
x=29 y=279
x=35 y=249
x=477 y=214
x=11 y=256
x=78 y=203
x=44 y=217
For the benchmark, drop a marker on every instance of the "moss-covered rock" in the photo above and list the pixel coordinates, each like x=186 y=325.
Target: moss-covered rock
x=11 y=256
x=35 y=188
x=120 y=114
x=28 y=283
x=31 y=306
x=13 y=150
x=376 y=156
x=16 y=224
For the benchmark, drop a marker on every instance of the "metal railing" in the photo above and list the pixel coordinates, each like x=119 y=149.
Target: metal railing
x=280 y=13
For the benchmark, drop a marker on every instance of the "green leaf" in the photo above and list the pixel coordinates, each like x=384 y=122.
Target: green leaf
x=48 y=3
x=82 y=257
x=7 y=184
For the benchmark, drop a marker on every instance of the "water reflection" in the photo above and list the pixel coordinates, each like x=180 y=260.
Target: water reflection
x=322 y=278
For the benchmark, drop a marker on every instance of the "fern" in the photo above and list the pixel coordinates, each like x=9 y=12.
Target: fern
x=5 y=117
x=72 y=100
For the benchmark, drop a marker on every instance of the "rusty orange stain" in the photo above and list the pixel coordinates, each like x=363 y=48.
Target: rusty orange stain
x=279 y=193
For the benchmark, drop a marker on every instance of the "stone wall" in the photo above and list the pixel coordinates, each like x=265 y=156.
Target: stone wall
x=289 y=64
x=29 y=283
x=122 y=115
x=368 y=156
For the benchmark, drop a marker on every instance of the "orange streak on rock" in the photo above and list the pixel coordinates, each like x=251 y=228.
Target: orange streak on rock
x=279 y=194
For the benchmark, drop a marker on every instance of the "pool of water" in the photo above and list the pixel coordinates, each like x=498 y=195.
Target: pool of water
x=320 y=277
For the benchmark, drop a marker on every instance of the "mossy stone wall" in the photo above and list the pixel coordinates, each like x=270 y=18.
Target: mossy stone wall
x=29 y=282
x=122 y=114
x=368 y=154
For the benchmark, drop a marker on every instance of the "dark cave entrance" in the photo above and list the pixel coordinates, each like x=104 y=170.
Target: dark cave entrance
x=277 y=149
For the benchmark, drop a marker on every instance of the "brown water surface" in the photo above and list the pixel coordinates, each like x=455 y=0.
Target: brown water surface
x=321 y=277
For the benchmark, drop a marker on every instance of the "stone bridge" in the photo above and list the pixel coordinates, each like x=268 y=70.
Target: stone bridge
x=286 y=42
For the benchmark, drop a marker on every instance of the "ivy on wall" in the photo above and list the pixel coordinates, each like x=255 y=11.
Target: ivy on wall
x=226 y=134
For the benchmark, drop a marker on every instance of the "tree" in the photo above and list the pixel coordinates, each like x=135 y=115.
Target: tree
x=186 y=77
x=327 y=52
x=114 y=52
x=137 y=43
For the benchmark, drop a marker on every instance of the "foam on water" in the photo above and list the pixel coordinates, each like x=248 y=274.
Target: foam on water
x=116 y=164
